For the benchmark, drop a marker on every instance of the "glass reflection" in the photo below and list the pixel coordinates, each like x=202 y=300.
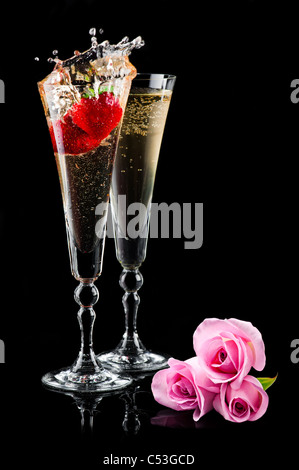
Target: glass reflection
x=88 y=406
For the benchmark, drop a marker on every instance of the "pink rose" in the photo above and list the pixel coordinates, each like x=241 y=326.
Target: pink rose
x=227 y=349
x=184 y=386
x=248 y=403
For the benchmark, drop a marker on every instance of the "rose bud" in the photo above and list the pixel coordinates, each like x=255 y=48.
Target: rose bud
x=248 y=403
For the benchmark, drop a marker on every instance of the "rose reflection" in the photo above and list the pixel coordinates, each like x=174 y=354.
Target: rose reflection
x=174 y=419
x=184 y=420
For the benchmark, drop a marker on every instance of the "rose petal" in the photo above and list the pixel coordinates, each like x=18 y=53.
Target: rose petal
x=256 y=340
x=160 y=389
x=247 y=393
x=263 y=397
x=231 y=344
x=201 y=378
x=210 y=328
x=245 y=364
x=219 y=403
x=239 y=407
x=250 y=393
x=207 y=355
x=204 y=388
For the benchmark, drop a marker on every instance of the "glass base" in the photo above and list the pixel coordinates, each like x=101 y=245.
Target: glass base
x=143 y=361
x=68 y=380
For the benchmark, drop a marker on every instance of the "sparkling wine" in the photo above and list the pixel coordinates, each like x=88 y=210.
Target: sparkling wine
x=85 y=181
x=135 y=167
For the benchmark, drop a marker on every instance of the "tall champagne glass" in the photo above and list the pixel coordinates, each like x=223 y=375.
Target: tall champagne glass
x=131 y=192
x=84 y=99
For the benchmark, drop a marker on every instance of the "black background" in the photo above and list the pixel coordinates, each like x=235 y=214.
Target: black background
x=231 y=143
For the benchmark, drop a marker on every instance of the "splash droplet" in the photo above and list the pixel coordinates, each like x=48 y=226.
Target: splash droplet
x=123 y=41
x=101 y=31
x=36 y=58
x=97 y=51
x=92 y=31
x=55 y=52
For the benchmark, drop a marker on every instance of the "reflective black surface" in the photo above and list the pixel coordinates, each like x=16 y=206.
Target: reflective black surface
x=231 y=142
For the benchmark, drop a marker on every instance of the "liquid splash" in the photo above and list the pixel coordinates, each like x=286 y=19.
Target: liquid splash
x=88 y=73
x=99 y=50
x=104 y=49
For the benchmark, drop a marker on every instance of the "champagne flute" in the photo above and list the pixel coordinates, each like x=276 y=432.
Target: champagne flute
x=132 y=189
x=84 y=99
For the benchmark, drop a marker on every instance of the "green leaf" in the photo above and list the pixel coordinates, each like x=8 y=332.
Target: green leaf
x=267 y=381
x=89 y=93
x=108 y=88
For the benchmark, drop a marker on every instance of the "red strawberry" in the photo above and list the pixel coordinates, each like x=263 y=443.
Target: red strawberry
x=97 y=116
x=86 y=124
x=68 y=138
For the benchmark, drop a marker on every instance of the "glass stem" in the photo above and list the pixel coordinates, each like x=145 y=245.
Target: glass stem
x=87 y=406
x=131 y=281
x=86 y=295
